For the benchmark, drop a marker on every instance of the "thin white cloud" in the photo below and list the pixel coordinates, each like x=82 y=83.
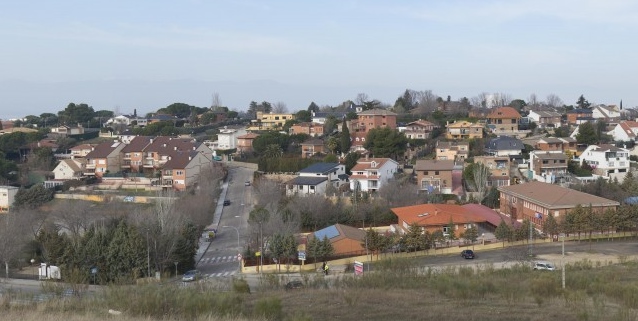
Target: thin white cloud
x=621 y=12
x=168 y=37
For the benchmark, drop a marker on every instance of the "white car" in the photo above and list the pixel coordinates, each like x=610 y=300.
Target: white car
x=544 y=266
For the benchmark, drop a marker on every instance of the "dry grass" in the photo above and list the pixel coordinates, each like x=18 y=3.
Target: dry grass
x=399 y=291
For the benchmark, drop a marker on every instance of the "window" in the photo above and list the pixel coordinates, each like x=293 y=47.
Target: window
x=425 y=173
x=436 y=172
x=179 y=173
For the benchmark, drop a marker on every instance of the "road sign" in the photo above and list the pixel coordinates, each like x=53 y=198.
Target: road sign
x=358 y=268
x=302 y=255
x=239 y=256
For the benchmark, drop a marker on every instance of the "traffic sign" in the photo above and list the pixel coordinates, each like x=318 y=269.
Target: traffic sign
x=358 y=268
x=302 y=255
x=239 y=256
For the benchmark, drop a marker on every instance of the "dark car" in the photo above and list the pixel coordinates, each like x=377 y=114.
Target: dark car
x=467 y=254
x=292 y=285
x=226 y=202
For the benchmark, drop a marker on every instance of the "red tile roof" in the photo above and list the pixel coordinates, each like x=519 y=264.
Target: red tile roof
x=436 y=214
x=504 y=112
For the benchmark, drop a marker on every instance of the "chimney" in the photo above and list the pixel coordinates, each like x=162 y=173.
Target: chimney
x=174 y=147
x=164 y=145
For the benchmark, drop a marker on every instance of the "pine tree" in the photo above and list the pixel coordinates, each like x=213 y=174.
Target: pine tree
x=345 y=138
x=503 y=232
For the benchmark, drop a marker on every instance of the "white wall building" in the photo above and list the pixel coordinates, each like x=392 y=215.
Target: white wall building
x=227 y=137
x=607 y=161
x=625 y=131
x=371 y=174
x=7 y=196
x=315 y=178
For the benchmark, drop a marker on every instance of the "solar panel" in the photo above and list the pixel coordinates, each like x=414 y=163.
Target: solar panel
x=330 y=232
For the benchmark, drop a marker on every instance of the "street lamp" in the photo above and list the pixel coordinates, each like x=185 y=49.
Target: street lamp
x=238 y=245
x=176 y=267
x=563 y=262
x=32 y=262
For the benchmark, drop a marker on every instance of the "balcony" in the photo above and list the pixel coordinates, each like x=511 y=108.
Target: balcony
x=89 y=172
x=90 y=166
x=167 y=183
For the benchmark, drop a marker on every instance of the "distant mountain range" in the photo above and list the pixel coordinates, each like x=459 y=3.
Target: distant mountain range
x=21 y=98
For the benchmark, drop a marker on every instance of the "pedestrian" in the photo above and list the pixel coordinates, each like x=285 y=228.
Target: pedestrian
x=325 y=268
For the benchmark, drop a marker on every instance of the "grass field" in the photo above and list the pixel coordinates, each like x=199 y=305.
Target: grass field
x=397 y=291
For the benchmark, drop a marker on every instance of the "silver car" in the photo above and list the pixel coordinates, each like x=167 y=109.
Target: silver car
x=192 y=275
x=544 y=266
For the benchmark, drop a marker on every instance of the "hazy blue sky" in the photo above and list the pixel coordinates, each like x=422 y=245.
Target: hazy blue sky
x=148 y=54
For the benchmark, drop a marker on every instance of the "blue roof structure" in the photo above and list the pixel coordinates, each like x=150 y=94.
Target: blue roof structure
x=319 y=168
x=305 y=180
x=632 y=200
x=330 y=232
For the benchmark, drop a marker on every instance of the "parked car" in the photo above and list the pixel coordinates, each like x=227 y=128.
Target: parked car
x=292 y=285
x=467 y=254
x=247 y=183
x=546 y=266
x=192 y=275
x=226 y=202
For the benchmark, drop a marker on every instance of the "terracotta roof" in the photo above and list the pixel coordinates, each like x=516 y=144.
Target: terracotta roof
x=377 y=111
x=630 y=127
x=83 y=147
x=420 y=122
x=137 y=144
x=165 y=145
x=248 y=136
x=436 y=214
x=463 y=124
x=313 y=141
x=365 y=164
x=103 y=150
x=491 y=216
x=504 y=112
x=433 y=165
x=553 y=196
x=180 y=160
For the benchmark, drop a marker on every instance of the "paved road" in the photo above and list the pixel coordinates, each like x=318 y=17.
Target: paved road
x=220 y=257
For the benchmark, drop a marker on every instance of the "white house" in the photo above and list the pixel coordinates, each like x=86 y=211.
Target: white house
x=625 y=131
x=372 y=173
x=605 y=112
x=69 y=169
x=7 y=196
x=227 y=137
x=120 y=120
x=607 y=161
x=545 y=118
x=315 y=178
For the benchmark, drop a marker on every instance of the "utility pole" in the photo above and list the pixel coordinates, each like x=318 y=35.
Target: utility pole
x=148 y=255
x=563 y=262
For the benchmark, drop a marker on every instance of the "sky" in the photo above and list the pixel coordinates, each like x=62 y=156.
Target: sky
x=145 y=55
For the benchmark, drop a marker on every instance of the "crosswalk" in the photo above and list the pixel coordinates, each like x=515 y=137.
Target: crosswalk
x=221 y=274
x=218 y=259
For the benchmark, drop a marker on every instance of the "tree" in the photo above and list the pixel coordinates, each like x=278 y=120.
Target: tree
x=344 y=138
x=280 y=108
x=303 y=116
x=76 y=114
x=518 y=104
x=586 y=134
x=351 y=160
x=493 y=198
x=553 y=101
x=503 y=232
x=386 y=142
x=126 y=254
x=13 y=236
x=333 y=144
x=471 y=234
x=216 y=101
x=582 y=102
x=550 y=226
x=481 y=176
x=313 y=108
x=413 y=238
x=330 y=125
x=33 y=197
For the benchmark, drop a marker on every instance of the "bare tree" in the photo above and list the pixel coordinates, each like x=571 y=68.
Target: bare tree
x=481 y=177
x=480 y=100
x=280 y=108
x=217 y=101
x=532 y=100
x=268 y=194
x=13 y=236
x=312 y=210
x=426 y=102
x=554 y=101
x=361 y=98
x=408 y=196
x=500 y=99
x=73 y=217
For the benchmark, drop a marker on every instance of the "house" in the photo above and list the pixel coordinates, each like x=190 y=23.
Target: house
x=368 y=120
x=7 y=196
x=545 y=118
x=345 y=240
x=504 y=146
x=227 y=137
x=464 y=130
x=160 y=148
x=183 y=168
x=245 y=142
x=438 y=217
x=372 y=173
x=69 y=169
x=457 y=151
x=566 y=145
x=419 y=129
x=312 y=147
x=499 y=167
x=536 y=200
x=133 y=154
x=579 y=116
x=607 y=161
x=625 y=131
x=316 y=178
x=548 y=167
x=503 y=120
x=156 y=118
x=67 y=130
x=122 y=120
x=606 y=113
x=104 y=158
x=126 y=136
x=308 y=128
x=270 y=121
x=434 y=176
x=81 y=150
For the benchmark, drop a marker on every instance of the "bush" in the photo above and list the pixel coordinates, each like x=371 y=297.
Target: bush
x=269 y=308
